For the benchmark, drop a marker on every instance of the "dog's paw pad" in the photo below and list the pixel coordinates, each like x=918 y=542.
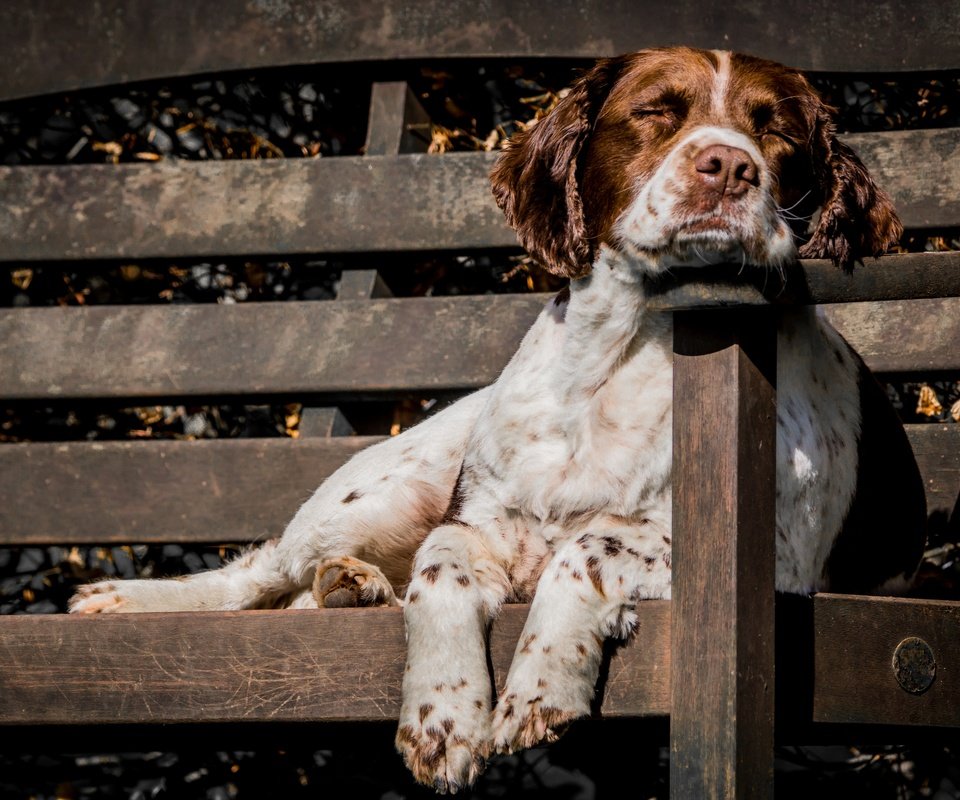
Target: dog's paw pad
x=348 y=582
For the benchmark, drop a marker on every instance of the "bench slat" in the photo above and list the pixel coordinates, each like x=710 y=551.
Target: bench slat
x=853 y=675
x=411 y=344
x=348 y=204
x=218 y=491
x=902 y=336
x=130 y=40
x=278 y=666
x=297 y=347
x=271 y=206
x=340 y=665
x=237 y=490
x=901 y=276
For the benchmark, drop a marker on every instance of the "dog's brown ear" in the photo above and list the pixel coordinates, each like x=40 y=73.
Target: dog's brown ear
x=857 y=218
x=535 y=178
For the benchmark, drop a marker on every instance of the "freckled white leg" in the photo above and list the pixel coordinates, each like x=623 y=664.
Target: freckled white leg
x=378 y=505
x=253 y=580
x=457 y=585
x=586 y=594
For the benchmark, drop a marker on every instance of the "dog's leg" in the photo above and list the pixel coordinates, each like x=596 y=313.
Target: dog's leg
x=586 y=594
x=377 y=507
x=254 y=580
x=457 y=586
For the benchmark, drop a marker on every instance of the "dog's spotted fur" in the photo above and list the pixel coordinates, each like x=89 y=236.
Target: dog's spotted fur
x=553 y=484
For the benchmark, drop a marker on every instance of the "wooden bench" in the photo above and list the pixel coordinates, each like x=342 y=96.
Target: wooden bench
x=707 y=659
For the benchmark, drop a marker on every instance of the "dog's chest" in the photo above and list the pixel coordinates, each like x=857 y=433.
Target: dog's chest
x=557 y=458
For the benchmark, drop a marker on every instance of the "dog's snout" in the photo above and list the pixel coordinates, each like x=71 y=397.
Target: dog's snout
x=726 y=170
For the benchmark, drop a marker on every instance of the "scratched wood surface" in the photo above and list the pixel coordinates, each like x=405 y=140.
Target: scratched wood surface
x=49 y=48
x=282 y=666
x=345 y=665
x=345 y=204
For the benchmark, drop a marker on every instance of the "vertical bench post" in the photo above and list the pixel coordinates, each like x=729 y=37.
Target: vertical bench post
x=724 y=488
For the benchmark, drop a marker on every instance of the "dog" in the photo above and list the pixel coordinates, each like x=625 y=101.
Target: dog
x=553 y=485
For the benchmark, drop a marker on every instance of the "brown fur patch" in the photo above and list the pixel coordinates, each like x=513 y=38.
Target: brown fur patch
x=612 y=546
x=354 y=495
x=431 y=573
x=593 y=572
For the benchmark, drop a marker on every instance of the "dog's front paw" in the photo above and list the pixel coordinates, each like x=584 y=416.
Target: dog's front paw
x=445 y=743
x=348 y=582
x=525 y=719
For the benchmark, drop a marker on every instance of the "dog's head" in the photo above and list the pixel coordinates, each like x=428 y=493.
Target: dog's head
x=683 y=156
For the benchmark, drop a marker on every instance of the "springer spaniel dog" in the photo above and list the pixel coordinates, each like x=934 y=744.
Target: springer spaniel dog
x=552 y=486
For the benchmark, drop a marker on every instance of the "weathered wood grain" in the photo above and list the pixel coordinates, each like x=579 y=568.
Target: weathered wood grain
x=397 y=122
x=918 y=336
x=238 y=490
x=901 y=276
x=937 y=448
x=724 y=445
x=854 y=677
x=217 y=208
x=349 y=204
x=281 y=666
x=49 y=48
x=342 y=665
x=230 y=490
x=412 y=344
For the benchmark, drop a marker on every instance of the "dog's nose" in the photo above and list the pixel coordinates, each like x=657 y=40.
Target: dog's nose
x=725 y=169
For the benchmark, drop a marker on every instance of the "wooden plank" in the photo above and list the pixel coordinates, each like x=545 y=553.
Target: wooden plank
x=724 y=444
x=324 y=421
x=925 y=196
x=345 y=664
x=915 y=336
x=397 y=122
x=937 y=448
x=278 y=666
x=414 y=344
x=362 y=284
x=50 y=49
x=901 y=276
x=349 y=204
x=855 y=642
x=238 y=490
x=218 y=208
x=229 y=490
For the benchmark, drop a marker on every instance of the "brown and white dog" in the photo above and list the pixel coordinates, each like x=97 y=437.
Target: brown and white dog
x=553 y=484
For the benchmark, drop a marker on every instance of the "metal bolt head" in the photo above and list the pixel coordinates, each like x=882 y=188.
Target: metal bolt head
x=914 y=665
